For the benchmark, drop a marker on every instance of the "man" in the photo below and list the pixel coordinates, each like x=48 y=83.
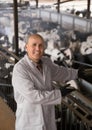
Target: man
x=33 y=90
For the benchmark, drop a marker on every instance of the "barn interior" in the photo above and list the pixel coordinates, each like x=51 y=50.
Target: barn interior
x=68 y=37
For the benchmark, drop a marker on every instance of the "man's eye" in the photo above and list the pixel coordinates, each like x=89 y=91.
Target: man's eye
x=41 y=46
x=34 y=44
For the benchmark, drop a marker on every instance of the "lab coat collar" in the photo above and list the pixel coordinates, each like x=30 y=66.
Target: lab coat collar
x=33 y=65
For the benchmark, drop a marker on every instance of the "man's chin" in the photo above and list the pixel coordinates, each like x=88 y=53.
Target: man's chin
x=37 y=59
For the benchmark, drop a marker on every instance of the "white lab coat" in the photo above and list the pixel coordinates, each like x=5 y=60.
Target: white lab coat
x=35 y=95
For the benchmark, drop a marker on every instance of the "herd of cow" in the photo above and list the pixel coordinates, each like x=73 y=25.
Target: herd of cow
x=69 y=48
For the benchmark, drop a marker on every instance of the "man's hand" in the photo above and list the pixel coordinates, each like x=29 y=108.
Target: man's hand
x=67 y=89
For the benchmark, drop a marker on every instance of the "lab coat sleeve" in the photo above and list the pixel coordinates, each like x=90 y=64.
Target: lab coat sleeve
x=61 y=73
x=25 y=87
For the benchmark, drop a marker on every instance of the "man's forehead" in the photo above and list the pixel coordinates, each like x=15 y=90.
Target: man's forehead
x=36 y=36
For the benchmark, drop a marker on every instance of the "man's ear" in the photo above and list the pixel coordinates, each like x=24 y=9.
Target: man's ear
x=25 y=48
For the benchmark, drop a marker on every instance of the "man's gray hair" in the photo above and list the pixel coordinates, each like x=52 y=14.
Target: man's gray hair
x=29 y=35
x=27 y=38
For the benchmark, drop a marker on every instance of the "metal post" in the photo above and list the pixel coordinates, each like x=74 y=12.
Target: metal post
x=88 y=9
x=58 y=6
x=16 y=28
x=36 y=3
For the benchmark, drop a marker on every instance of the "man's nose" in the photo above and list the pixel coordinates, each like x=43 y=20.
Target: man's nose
x=37 y=48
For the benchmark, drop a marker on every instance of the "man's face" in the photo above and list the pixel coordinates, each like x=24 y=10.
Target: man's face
x=35 y=48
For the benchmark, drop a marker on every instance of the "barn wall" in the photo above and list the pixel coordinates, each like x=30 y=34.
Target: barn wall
x=66 y=21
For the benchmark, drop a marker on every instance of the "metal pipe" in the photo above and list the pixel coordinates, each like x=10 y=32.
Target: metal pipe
x=88 y=9
x=81 y=63
x=16 y=28
x=5 y=85
x=78 y=96
x=85 y=86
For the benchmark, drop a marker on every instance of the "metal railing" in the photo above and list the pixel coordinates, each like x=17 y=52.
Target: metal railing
x=65 y=20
